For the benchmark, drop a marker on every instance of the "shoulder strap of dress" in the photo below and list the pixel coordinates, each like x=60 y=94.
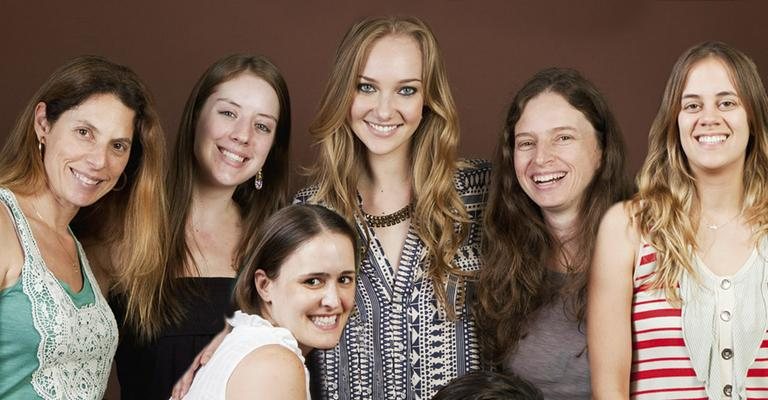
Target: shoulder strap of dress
x=19 y=220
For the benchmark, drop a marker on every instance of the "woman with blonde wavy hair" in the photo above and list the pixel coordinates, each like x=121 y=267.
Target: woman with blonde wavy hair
x=678 y=295
x=85 y=159
x=387 y=132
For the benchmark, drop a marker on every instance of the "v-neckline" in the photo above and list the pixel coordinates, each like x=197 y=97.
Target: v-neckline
x=394 y=281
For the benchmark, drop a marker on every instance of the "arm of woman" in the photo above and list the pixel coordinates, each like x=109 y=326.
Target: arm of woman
x=269 y=372
x=609 y=305
x=185 y=382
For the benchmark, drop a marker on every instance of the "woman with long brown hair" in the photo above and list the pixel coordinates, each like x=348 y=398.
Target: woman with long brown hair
x=85 y=160
x=560 y=165
x=229 y=172
x=678 y=299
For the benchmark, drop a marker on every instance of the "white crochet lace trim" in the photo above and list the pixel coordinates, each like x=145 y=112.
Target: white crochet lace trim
x=76 y=344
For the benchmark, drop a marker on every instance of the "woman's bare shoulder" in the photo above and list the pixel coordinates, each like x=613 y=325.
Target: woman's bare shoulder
x=273 y=370
x=10 y=248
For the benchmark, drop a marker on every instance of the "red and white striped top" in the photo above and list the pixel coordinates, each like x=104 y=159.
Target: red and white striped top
x=661 y=363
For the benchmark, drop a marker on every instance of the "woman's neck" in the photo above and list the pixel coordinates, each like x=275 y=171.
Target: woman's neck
x=210 y=204
x=563 y=227
x=720 y=193
x=385 y=185
x=49 y=210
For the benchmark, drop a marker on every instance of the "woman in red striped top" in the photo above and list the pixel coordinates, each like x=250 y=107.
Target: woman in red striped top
x=678 y=294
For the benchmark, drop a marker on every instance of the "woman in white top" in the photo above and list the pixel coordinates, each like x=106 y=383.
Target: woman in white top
x=295 y=293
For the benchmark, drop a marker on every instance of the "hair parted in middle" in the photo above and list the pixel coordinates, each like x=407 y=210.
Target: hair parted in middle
x=128 y=225
x=254 y=205
x=517 y=246
x=666 y=207
x=439 y=215
x=277 y=239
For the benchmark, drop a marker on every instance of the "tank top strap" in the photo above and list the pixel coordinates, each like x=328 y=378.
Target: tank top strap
x=23 y=230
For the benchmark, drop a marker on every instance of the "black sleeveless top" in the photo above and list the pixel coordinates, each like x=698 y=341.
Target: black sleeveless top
x=149 y=370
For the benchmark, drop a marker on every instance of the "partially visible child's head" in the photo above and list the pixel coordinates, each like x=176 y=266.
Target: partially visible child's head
x=488 y=386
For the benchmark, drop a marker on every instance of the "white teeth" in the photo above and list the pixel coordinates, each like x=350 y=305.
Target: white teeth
x=712 y=139
x=382 y=128
x=231 y=156
x=84 y=179
x=548 y=177
x=324 y=321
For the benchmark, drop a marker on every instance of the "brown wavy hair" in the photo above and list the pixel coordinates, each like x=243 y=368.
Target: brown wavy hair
x=439 y=217
x=130 y=222
x=518 y=247
x=279 y=237
x=666 y=208
x=254 y=205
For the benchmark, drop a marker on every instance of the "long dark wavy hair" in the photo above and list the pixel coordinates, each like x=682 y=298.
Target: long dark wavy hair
x=518 y=246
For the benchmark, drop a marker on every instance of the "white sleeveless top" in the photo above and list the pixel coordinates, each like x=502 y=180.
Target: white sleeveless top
x=249 y=333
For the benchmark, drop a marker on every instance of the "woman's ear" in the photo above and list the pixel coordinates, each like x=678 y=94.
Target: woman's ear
x=41 y=122
x=263 y=285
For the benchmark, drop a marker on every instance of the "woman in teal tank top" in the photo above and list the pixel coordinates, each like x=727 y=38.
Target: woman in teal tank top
x=86 y=158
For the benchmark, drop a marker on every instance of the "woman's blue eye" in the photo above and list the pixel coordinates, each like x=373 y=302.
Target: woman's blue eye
x=407 y=91
x=366 y=88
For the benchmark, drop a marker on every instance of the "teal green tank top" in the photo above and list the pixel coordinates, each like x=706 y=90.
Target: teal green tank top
x=32 y=308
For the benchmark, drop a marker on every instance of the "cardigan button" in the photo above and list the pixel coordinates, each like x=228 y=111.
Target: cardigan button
x=725 y=284
x=727 y=354
x=727 y=389
x=725 y=315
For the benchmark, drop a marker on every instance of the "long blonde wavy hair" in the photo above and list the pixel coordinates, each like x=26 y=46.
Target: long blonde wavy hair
x=131 y=222
x=439 y=215
x=666 y=207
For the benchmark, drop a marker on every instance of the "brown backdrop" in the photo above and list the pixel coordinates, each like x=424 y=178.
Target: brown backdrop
x=491 y=48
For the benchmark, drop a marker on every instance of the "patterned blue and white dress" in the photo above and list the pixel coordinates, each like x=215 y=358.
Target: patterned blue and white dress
x=397 y=343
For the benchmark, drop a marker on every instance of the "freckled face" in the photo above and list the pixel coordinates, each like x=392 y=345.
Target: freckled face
x=713 y=124
x=556 y=153
x=86 y=148
x=314 y=291
x=387 y=107
x=235 y=130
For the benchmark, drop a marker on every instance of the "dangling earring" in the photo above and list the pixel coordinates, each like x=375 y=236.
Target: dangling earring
x=40 y=148
x=125 y=182
x=258 y=180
